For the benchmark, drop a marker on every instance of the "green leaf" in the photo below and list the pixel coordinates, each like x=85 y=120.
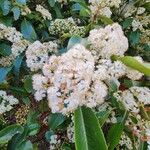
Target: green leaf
x=57 y=11
x=7 y=133
x=127 y=22
x=66 y=146
x=73 y=41
x=105 y=20
x=17 y=65
x=84 y=12
x=88 y=134
x=5 y=6
x=52 y=2
x=134 y=37
x=16 y=11
x=3 y=73
x=28 y=84
x=55 y=120
x=28 y=31
x=26 y=100
x=103 y=116
x=25 y=145
x=5 y=50
x=32 y=123
x=21 y=2
x=76 y=40
x=147 y=6
x=134 y=64
x=33 y=129
x=143 y=146
x=6 y=21
x=32 y=117
x=76 y=7
x=114 y=135
x=17 y=139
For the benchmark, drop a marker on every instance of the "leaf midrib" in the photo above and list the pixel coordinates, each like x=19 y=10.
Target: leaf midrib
x=84 y=129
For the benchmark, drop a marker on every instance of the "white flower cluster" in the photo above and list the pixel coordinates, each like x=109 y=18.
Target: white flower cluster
x=10 y=33
x=40 y=86
x=54 y=142
x=16 y=38
x=37 y=54
x=108 y=70
x=6 y=102
x=133 y=97
x=62 y=26
x=108 y=41
x=44 y=12
x=102 y=7
x=125 y=142
x=141 y=23
x=70 y=81
x=25 y=10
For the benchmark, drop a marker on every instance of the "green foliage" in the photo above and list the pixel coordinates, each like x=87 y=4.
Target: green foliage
x=28 y=31
x=114 y=135
x=103 y=116
x=7 y=133
x=16 y=12
x=88 y=134
x=3 y=73
x=90 y=125
x=55 y=120
x=5 y=6
x=134 y=37
x=5 y=49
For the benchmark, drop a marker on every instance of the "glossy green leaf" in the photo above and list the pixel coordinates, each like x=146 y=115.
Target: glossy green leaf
x=103 y=116
x=32 y=123
x=58 y=11
x=3 y=73
x=134 y=64
x=134 y=37
x=17 y=139
x=52 y=2
x=114 y=135
x=33 y=129
x=16 y=11
x=25 y=145
x=5 y=50
x=28 y=31
x=55 y=120
x=88 y=134
x=84 y=12
x=76 y=7
x=127 y=22
x=76 y=40
x=5 y=6
x=21 y=2
x=143 y=145
x=28 y=84
x=7 y=133
x=73 y=41
x=17 y=65
x=105 y=20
